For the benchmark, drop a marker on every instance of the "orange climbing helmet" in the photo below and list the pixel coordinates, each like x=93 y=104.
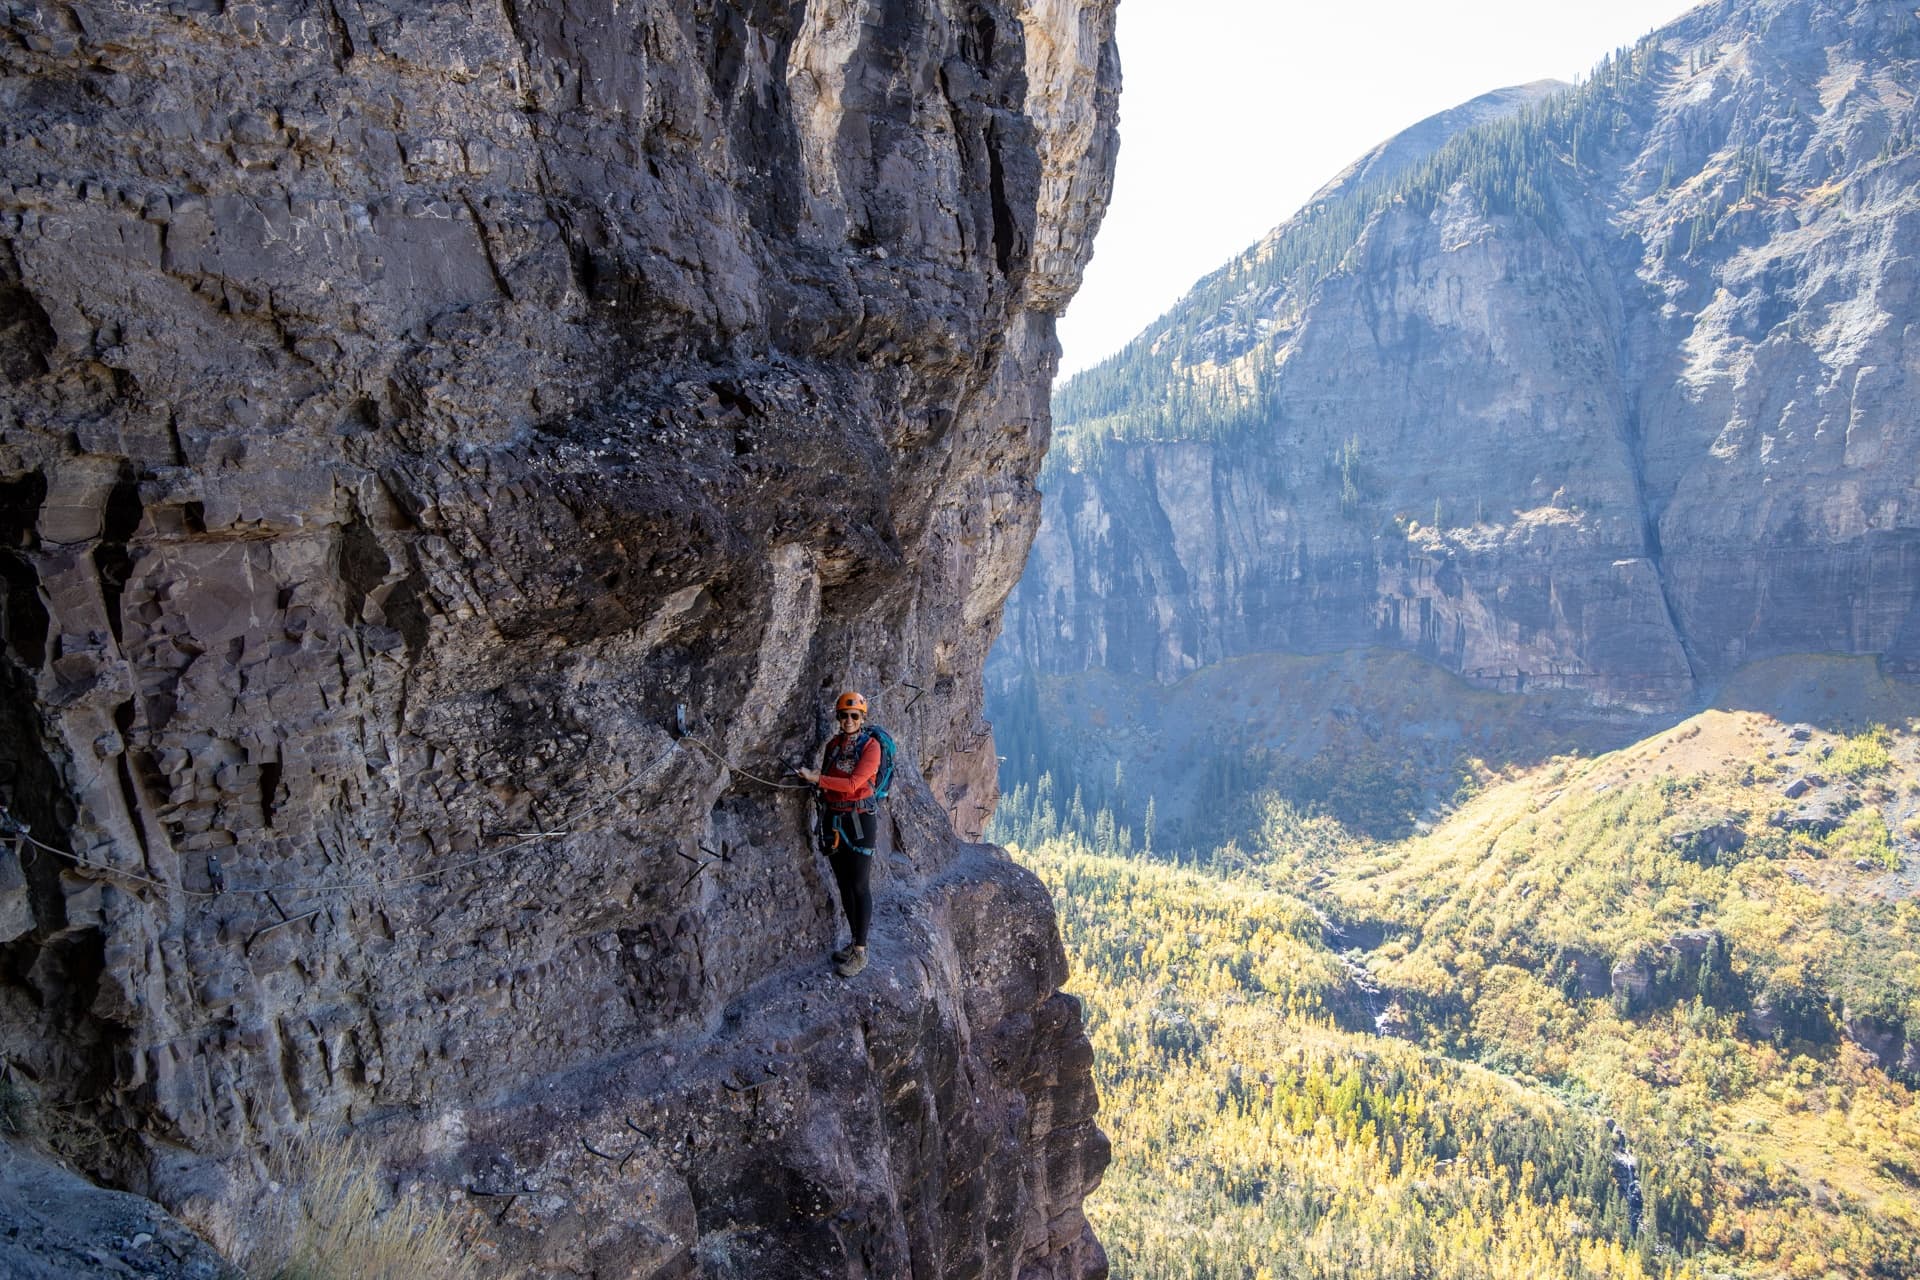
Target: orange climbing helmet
x=850 y=701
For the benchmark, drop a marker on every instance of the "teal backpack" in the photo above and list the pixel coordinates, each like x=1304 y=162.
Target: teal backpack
x=883 y=779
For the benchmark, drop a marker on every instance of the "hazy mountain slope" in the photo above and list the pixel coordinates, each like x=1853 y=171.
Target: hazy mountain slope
x=1378 y=738
x=1610 y=397
x=1416 y=143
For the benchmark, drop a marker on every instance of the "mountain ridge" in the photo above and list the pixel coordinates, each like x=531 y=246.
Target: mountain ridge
x=1529 y=409
x=1413 y=144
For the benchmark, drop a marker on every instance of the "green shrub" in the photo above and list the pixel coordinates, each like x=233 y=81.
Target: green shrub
x=1864 y=754
x=1863 y=838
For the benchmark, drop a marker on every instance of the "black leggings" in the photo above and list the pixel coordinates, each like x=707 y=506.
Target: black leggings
x=847 y=839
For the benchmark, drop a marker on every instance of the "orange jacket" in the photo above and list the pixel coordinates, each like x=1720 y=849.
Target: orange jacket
x=847 y=779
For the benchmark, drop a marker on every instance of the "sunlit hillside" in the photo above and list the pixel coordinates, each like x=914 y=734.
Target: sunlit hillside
x=1252 y=1138
x=1639 y=1013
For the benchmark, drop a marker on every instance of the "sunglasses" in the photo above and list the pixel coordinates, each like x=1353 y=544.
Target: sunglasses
x=846 y=715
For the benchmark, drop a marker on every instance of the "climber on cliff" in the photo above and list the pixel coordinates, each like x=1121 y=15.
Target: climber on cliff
x=845 y=786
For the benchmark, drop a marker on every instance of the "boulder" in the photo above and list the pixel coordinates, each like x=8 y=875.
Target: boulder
x=1589 y=973
x=1889 y=1041
x=1632 y=981
x=1691 y=962
x=1819 y=814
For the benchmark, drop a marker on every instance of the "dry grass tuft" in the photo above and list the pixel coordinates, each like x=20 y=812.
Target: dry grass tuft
x=334 y=1218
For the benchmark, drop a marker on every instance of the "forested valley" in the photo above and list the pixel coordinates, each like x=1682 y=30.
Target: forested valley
x=1638 y=1012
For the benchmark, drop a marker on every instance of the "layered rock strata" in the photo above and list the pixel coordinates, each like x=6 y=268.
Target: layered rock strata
x=1617 y=426
x=448 y=454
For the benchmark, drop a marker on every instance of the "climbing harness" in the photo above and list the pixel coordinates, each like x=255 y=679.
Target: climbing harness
x=839 y=832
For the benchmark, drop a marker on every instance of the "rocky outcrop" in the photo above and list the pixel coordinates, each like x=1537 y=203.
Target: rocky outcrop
x=1582 y=972
x=1784 y=1011
x=1820 y=814
x=1694 y=962
x=54 y=1225
x=446 y=456
x=1709 y=843
x=1616 y=425
x=1896 y=1051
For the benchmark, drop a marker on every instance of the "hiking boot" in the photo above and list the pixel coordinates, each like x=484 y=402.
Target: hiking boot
x=856 y=961
x=840 y=956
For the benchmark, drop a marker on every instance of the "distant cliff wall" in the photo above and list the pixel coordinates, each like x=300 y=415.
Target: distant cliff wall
x=408 y=408
x=1614 y=402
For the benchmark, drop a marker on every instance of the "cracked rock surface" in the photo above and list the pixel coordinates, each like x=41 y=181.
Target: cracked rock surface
x=411 y=414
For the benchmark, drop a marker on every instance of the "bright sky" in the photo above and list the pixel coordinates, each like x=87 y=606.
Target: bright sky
x=1235 y=111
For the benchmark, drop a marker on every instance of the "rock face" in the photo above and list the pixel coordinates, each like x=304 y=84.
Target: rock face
x=1896 y=1051
x=412 y=414
x=54 y=1224
x=1709 y=843
x=1616 y=425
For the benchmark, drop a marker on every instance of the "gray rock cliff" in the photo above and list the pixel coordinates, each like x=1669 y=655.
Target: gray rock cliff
x=408 y=410
x=1610 y=396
